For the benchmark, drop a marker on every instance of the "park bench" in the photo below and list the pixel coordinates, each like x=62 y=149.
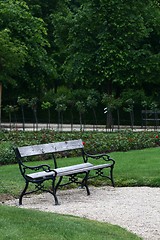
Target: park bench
x=150 y=117
x=76 y=173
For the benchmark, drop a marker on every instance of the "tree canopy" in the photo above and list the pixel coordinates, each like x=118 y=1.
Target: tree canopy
x=106 y=45
x=114 y=44
x=24 y=57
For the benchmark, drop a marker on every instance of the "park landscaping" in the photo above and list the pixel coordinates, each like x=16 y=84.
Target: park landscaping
x=137 y=164
x=95 y=142
x=16 y=223
x=136 y=156
x=132 y=168
x=85 y=62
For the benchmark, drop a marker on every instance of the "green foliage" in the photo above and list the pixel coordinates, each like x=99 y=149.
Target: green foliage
x=22 y=101
x=111 y=102
x=24 y=46
x=93 y=97
x=94 y=142
x=60 y=102
x=46 y=105
x=12 y=54
x=109 y=43
x=6 y=150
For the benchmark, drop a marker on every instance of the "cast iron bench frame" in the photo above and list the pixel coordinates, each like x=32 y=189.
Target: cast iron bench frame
x=41 y=173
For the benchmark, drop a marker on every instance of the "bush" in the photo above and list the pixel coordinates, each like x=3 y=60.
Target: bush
x=7 y=154
x=95 y=142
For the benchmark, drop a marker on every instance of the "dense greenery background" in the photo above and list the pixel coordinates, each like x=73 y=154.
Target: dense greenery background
x=58 y=53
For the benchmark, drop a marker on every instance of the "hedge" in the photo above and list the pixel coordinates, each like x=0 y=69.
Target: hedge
x=95 y=142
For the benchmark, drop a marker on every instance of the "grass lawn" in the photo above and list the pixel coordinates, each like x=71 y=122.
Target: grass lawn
x=133 y=168
x=137 y=167
x=17 y=223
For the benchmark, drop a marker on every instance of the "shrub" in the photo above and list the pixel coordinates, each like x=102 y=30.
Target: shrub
x=7 y=154
x=95 y=142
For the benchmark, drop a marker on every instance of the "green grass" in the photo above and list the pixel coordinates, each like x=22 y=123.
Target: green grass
x=137 y=167
x=132 y=168
x=17 y=223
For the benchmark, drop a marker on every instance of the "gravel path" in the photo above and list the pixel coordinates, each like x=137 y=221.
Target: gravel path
x=134 y=208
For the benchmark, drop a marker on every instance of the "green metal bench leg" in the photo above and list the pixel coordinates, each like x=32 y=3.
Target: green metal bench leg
x=23 y=193
x=111 y=175
x=54 y=189
x=84 y=183
x=58 y=183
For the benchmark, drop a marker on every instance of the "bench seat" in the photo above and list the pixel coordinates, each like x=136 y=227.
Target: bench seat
x=100 y=166
x=64 y=171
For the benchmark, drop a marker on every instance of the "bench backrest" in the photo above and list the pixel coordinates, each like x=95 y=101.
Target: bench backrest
x=155 y=113
x=28 y=151
x=150 y=111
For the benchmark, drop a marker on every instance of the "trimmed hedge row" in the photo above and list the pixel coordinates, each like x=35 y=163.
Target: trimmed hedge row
x=95 y=142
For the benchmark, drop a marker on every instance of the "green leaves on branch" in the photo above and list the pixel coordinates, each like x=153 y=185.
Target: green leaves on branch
x=110 y=42
x=23 y=38
x=46 y=105
x=12 y=56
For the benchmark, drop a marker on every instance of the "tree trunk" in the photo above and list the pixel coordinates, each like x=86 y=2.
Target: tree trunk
x=80 y=120
x=23 y=119
x=0 y=104
x=36 y=119
x=132 y=119
x=118 y=117
x=49 y=118
x=95 y=117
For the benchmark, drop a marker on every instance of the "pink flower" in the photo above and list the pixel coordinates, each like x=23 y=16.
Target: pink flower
x=157 y=136
x=83 y=143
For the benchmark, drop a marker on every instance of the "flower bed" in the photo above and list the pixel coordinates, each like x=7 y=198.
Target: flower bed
x=95 y=142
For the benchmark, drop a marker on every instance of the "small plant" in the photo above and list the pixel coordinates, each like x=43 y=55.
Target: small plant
x=157 y=140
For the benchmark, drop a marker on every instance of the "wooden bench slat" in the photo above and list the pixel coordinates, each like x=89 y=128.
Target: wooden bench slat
x=61 y=171
x=50 y=148
x=42 y=174
x=94 y=167
x=73 y=167
x=71 y=172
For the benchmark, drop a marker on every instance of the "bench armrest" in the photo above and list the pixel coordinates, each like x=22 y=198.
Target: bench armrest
x=103 y=156
x=44 y=167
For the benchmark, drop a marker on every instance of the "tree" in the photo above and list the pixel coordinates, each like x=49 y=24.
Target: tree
x=47 y=106
x=80 y=96
x=32 y=103
x=61 y=107
x=111 y=44
x=10 y=109
x=92 y=102
x=12 y=58
x=22 y=102
x=130 y=108
x=107 y=45
x=27 y=37
x=131 y=99
x=109 y=103
x=80 y=105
